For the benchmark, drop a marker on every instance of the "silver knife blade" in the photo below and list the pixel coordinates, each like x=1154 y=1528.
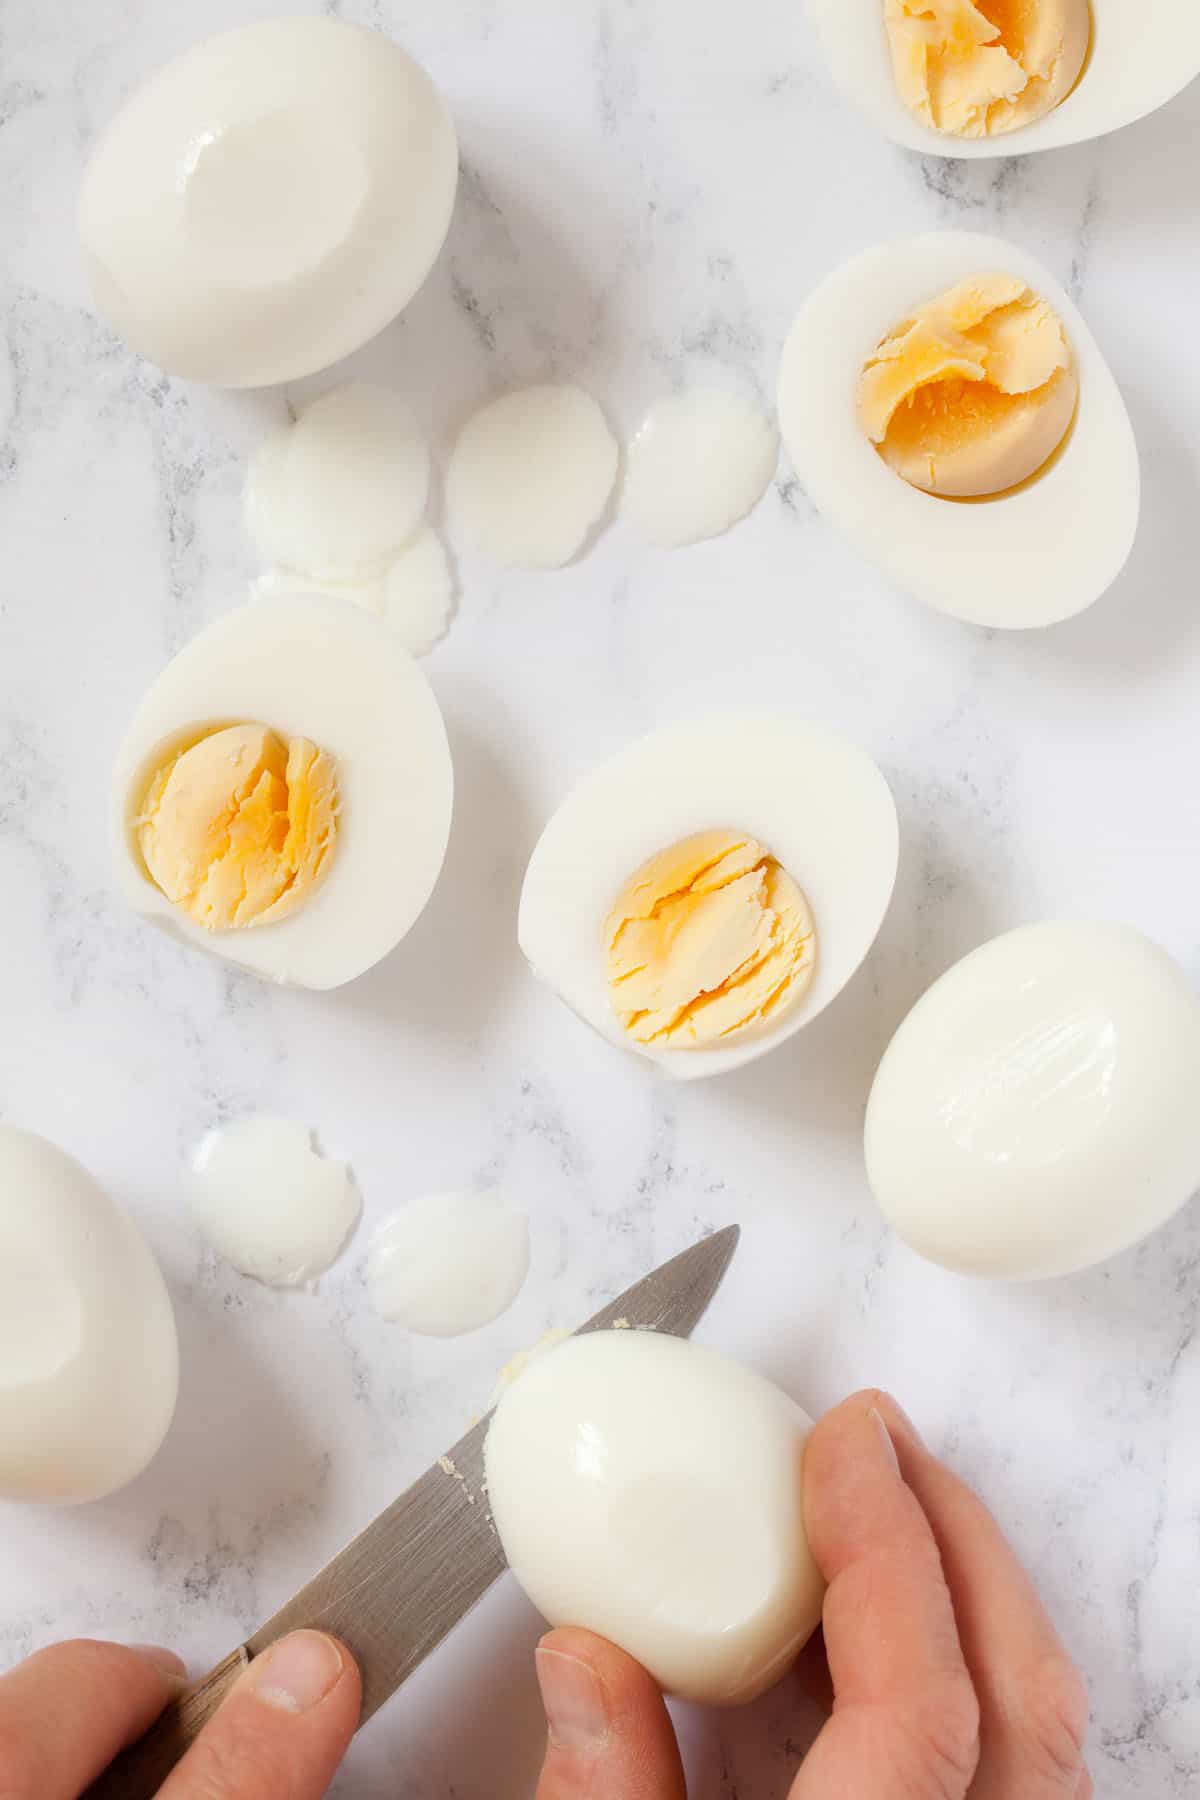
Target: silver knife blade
x=395 y=1592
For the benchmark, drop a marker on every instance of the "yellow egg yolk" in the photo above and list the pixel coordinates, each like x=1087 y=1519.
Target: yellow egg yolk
x=978 y=68
x=239 y=829
x=707 y=940
x=974 y=393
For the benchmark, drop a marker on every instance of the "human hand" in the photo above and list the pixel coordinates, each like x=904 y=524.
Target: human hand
x=280 y=1735
x=950 y=1683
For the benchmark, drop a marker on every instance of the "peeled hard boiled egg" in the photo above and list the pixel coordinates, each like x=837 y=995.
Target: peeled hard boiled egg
x=89 y=1363
x=649 y=1490
x=283 y=795
x=268 y=201
x=708 y=891
x=1021 y=555
x=987 y=78
x=1036 y=1111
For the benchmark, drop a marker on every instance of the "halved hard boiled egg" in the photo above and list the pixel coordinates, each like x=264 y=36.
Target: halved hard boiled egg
x=283 y=795
x=269 y=200
x=970 y=78
x=1036 y=1111
x=89 y=1360
x=708 y=891
x=945 y=405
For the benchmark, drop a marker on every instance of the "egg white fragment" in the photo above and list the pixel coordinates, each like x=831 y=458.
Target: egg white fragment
x=817 y=804
x=415 y=595
x=449 y=1264
x=701 y=460
x=336 y=495
x=267 y=1201
x=649 y=1490
x=1036 y=1111
x=1032 y=557
x=269 y=200
x=89 y=1360
x=531 y=474
x=308 y=666
x=1143 y=53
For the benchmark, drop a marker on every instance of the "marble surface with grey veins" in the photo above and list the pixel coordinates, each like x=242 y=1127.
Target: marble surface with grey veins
x=650 y=188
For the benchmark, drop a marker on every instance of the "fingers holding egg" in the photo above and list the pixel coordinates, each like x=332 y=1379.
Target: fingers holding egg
x=711 y=889
x=283 y=795
x=951 y=367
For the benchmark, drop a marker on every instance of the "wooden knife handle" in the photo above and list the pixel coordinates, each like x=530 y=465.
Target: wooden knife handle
x=141 y=1770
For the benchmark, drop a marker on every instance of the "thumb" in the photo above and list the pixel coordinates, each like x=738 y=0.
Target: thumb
x=610 y=1737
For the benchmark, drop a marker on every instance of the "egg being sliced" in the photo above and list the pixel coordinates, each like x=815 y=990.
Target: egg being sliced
x=283 y=795
x=269 y=200
x=89 y=1361
x=1034 y=555
x=708 y=891
x=1141 y=54
x=1036 y=1111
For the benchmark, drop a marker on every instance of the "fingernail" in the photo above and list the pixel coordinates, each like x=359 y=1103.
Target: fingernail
x=163 y=1659
x=574 y=1702
x=907 y=1423
x=296 y=1674
x=885 y=1435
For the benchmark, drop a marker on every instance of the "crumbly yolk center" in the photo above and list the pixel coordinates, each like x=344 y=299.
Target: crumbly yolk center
x=975 y=392
x=977 y=68
x=707 y=940
x=239 y=828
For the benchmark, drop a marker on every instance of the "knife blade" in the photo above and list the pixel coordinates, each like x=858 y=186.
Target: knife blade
x=397 y=1590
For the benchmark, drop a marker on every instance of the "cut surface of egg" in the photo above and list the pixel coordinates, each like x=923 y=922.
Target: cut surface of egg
x=269 y=200
x=651 y=1491
x=267 y=1201
x=700 y=461
x=708 y=891
x=448 y=1264
x=911 y=68
x=283 y=794
x=336 y=494
x=531 y=474
x=1036 y=1111
x=1031 y=556
x=89 y=1362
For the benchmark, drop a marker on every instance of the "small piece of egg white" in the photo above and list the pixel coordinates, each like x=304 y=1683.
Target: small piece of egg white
x=1143 y=53
x=448 y=1264
x=267 y=1201
x=1031 y=557
x=700 y=461
x=415 y=595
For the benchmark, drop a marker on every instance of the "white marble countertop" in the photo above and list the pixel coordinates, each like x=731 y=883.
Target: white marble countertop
x=650 y=188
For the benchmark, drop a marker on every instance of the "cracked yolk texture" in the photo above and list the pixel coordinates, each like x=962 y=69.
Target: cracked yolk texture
x=974 y=393
x=978 y=68
x=240 y=828
x=707 y=940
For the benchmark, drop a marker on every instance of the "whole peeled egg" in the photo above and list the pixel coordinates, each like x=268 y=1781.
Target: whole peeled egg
x=708 y=891
x=1036 y=1111
x=269 y=200
x=971 y=78
x=89 y=1362
x=651 y=1491
x=947 y=409
x=284 y=791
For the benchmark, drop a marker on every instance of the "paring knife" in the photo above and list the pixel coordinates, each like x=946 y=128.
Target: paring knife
x=395 y=1592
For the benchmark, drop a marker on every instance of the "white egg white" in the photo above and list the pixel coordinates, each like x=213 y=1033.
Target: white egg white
x=308 y=666
x=1144 y=52
x=268 y=1202
x=269 y=200
x=816 y=803
x=448 y=1264
x=1032 y=557
x=89 y=1360
x=650 y=1490
x=701 y=460
x=1036 y=1111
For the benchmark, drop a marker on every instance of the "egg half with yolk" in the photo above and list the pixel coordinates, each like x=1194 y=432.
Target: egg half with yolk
x=708 y=891
x=283 y=795
x=946 y=407
x=969 y=78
